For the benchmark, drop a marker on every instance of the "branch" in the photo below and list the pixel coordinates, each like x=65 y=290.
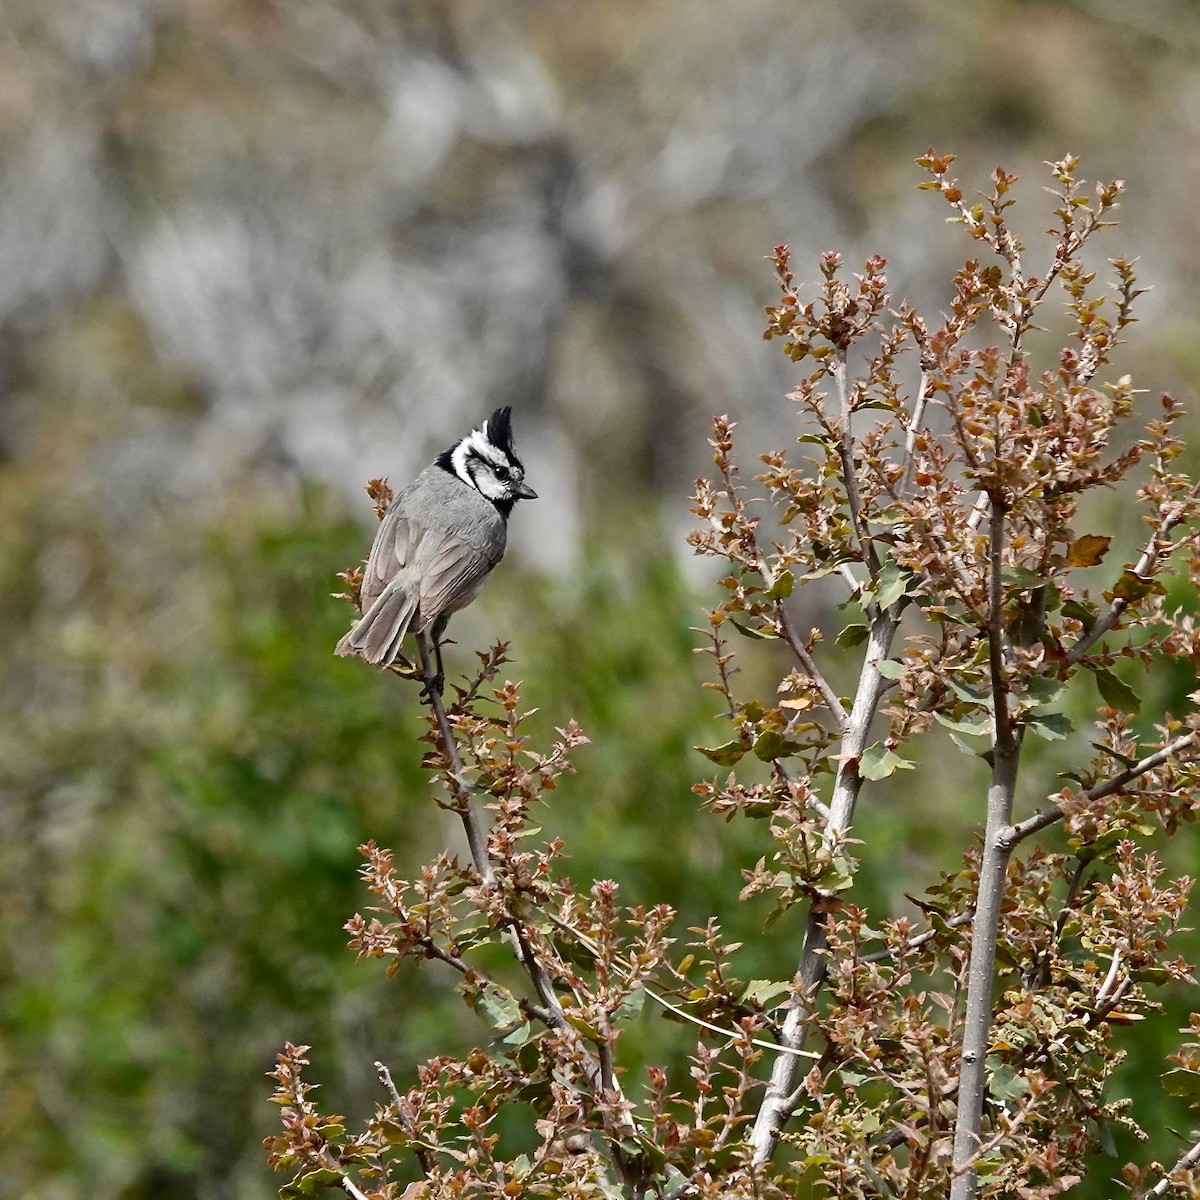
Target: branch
x=350 y=1189
x=914 y=428
x=993 y=872
x=732 y=1034
x=798 y=648
x=1189 y=1160
x=1017 y=833
x=552 y=1013
x=849 y=475
x=780 y=1100
x=1147 y=562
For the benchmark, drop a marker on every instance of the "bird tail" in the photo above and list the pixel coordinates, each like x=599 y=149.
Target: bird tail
x=379 y=631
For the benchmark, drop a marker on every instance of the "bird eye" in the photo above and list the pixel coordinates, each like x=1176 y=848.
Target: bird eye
x=502 y=472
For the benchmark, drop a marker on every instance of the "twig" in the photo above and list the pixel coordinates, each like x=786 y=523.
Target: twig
x=348 y=1186
x=422 y=1152
x=551 y=1013
x=914 y=428
x=849 y=475
x=385 y=1077
x=918 y=940
x=1048 y=816
x=1147 y=561
x=798 y=648
x=732 y=1034
x=1190 y=1159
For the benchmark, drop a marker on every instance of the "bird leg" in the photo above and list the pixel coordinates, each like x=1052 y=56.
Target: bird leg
x=433 y=682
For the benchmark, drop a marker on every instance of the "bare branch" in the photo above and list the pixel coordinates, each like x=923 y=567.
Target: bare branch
x=348 y=1186
x=849 y=475
x=915 y=424
x=1017 y=833
x=1148 y=561
x=1189 y=1160
x=993 y=870
x=732 y=1034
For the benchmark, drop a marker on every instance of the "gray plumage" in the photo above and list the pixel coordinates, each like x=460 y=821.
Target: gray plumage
x=438 y=541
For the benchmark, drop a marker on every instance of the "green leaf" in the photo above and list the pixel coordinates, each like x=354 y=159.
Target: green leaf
x=496 y=1006
x=1051 y=727
x=1021 y=578
x=757 y=635
x=782 y=587
x=891 y=585
x=878 y=762
x=1115 y=692
x=723 y=756
x=889 y=668
x=1132 y=587
x=851 y=636
x=1044 y=689
x=310 y=1183
x=772 y=745
x=1182 y=1082
x=632 y=1005
x=1085 y=614
x=976 y=725
x=764 y=991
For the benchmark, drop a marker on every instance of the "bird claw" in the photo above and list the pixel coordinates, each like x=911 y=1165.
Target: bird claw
x=432 y=685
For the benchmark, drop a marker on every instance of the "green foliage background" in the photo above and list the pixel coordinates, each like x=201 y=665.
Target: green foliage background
x=185 y=768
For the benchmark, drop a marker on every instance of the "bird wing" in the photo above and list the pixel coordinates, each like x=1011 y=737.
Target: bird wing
x=449 y=577
x=395 y=543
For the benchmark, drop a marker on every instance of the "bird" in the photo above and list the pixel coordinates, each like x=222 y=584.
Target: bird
x=439 y=539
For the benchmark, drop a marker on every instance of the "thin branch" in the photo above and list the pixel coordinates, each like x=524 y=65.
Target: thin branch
x=477 y=842
x=798 y=648
x=1189 y=1160
x=918 y=940
x=422 y=1152
x=1017 y=833
x=732 y=1034
x=914 y=428
x=1147 y=562
x=385 y=1077
x=348 y=1186
x=849 y=475
x=781 y=1099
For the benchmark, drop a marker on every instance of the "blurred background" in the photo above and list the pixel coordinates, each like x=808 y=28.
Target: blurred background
x=254 y=252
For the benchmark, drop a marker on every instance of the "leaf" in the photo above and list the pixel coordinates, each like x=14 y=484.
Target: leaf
x=878 y=762
x=756 y=635
x=631 y=1006
x=723 y=756
x=496 y=1006
x=764 y=991
x=1085 y=614
x=851 y=636
x=310 y=1183
x=891 y=585
x=975 y=725
x=1088 y=550
x=1115 y=692
x=782 y=587
x=889 y=668
x=1051 y=727
x=1021 y=578
x=1182 y=1082
x=772 y=745
x=1132 y=587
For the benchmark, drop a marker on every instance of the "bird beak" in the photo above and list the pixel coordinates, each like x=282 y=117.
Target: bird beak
x=525 y=492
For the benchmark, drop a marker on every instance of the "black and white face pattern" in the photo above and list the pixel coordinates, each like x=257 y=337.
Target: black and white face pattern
x=487 y=460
